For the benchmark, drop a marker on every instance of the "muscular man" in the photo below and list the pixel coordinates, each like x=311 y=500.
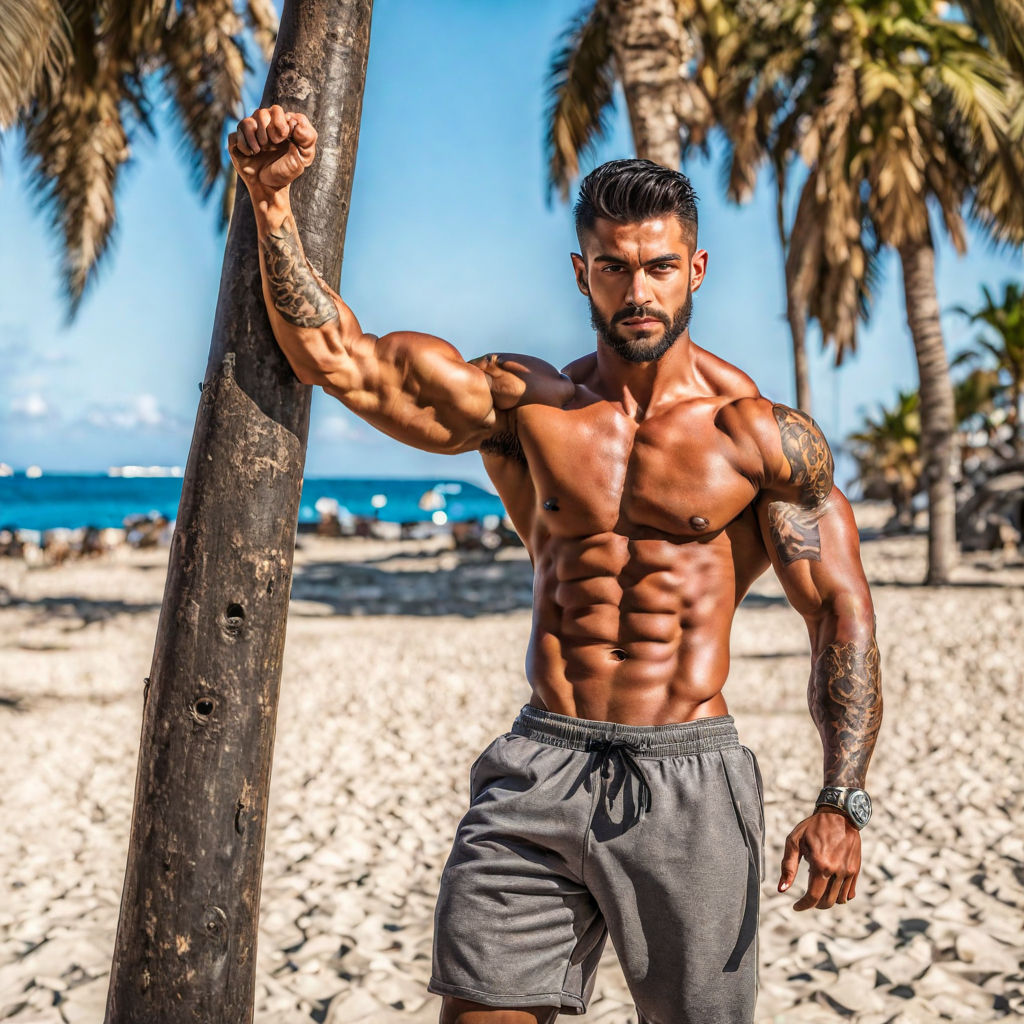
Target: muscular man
x=651 y=484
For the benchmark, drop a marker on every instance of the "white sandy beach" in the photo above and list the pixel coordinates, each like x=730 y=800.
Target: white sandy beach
x=401 y=665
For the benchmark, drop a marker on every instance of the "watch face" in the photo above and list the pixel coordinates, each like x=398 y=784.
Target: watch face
x=858 y=806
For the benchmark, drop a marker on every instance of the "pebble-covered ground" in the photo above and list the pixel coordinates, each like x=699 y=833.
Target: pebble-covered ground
x=401 y=665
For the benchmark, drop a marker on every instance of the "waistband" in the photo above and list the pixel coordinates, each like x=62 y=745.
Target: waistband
x=700 y=736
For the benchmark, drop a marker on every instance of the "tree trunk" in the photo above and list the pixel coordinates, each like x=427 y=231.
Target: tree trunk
x=186 y=938
x=795 y=315
x=938 y=418
x=797 y=318
x=650 y=54
x=1017 y=401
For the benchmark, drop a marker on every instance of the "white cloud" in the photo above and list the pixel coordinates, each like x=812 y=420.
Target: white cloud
x=33 y=405
x=143 y=412
x=338 y=428
x=147 y=409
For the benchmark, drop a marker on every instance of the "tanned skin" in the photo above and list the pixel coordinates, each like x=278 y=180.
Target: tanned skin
x=649 y=494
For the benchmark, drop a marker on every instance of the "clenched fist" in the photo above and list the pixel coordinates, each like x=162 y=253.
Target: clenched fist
x=271 y=149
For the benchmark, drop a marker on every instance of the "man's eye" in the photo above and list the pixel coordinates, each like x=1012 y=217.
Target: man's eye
x=613 y=268
x=665 y=266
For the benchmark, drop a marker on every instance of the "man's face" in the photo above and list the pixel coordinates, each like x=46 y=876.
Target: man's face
x=639 y=279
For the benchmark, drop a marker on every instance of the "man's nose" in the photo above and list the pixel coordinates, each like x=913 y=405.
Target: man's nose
x=639 y=293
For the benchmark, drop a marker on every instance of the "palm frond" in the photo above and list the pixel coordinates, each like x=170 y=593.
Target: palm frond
x=204 y=71
x=34 y=46
x=131 y=29
x=1001 y=21
x=581 y=83
x=261 y=17
x=76 y=151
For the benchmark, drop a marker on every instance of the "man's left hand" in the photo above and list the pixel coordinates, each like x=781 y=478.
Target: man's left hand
x=831 y=846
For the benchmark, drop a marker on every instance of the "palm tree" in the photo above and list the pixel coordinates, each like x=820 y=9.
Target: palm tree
x=771 y=78
x=76 y=77
x=887 y=450
x=642 y=44
x=186 y=937
x=680 y=77
x=916 y=109
x=1004 y=345
x=975 y=398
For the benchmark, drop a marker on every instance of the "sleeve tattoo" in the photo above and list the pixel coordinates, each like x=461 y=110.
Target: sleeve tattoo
x=298 y=292
x=844 y=692
x=845 y=699
x=794 y=527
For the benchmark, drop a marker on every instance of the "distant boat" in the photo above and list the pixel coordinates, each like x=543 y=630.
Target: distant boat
x=33 y=472
x=145 y=471
x=6 y=470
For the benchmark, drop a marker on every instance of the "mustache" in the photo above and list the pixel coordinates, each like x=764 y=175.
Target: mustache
x=641 y=311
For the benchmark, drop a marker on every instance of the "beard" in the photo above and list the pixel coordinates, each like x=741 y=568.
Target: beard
x=642 y=350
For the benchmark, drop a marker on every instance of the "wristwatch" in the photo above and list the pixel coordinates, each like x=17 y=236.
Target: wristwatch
x=854 y=803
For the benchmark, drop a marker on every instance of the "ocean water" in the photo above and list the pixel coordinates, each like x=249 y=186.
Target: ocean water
x=74 y=500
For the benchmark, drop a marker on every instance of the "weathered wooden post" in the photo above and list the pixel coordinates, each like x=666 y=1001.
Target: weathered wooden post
x=186 y=938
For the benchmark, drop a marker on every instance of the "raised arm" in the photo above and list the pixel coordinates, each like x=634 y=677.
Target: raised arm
x=811 y=538
x=414 y=387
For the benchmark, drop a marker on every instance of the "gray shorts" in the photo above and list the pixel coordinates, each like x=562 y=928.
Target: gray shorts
x=577 y=829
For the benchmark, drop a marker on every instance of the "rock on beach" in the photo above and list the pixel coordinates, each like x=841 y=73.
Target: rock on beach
x=403 y=660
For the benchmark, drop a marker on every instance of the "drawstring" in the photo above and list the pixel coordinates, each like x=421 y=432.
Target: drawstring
x=606 y=750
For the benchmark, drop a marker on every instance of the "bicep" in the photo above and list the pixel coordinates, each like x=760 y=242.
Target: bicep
x=415 y=387
x=816 y=555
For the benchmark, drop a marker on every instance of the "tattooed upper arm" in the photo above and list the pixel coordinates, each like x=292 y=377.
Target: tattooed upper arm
x=793 y=521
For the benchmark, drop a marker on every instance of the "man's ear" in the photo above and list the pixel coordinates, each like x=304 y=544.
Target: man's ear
x=579 y=267
x=698 y=268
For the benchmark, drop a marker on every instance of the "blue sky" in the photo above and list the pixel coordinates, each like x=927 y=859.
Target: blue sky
x=449 y=233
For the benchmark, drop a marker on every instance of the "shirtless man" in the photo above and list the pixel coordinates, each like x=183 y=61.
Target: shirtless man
x=651 y=484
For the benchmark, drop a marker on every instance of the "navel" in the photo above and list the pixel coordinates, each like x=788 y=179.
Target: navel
x=699 y=523
x=618 y=654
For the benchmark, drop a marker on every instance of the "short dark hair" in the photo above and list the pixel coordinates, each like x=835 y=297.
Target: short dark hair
x=633 y=190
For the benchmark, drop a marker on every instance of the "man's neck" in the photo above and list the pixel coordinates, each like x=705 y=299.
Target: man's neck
x=640 y=387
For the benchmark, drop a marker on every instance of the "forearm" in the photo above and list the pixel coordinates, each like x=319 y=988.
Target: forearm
x=844 y=693
x=413 y=387
x=312 y=325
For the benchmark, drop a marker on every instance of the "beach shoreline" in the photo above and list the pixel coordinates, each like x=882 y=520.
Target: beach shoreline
x=408 y=656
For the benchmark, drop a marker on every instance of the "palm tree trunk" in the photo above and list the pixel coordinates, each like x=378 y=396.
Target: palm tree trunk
x=1017 y=398
x=186 y=939
x=801 y=370
x=938 y=418
x=796 y=316
x=650 y=53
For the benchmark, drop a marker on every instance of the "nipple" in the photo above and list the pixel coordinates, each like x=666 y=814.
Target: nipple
x=699 y=523
x=551 y=504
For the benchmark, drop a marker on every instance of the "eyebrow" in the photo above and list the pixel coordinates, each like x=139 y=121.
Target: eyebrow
x=667 y=257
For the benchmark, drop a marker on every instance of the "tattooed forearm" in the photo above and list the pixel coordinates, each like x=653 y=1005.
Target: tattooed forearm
x=845 y=698
x=298 y=293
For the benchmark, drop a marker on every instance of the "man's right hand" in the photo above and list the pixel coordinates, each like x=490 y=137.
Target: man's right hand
x=271 y=149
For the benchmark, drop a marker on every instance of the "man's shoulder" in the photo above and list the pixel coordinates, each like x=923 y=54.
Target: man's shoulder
x=516 y=380
x=790 y=446
x=581 y=367
x=723 y=377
